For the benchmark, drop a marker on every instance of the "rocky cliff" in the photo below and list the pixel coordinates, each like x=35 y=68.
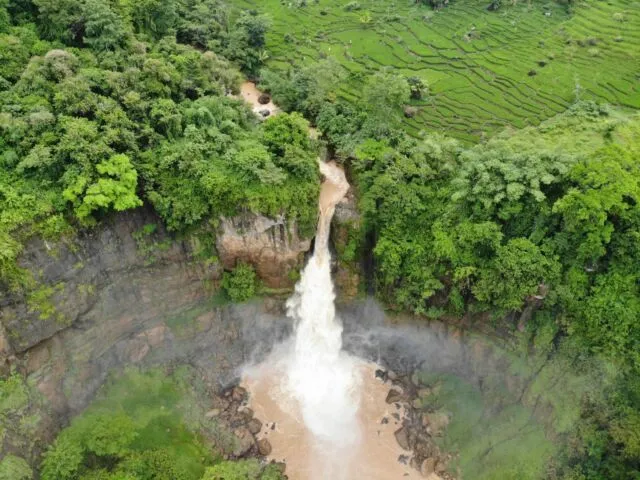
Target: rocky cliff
x=271 y=245
x=130 y=293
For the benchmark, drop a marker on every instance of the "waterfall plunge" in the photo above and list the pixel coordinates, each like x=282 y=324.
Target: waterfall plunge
x=320 y=376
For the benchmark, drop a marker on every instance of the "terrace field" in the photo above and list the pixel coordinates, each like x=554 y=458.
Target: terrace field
x=485 y=69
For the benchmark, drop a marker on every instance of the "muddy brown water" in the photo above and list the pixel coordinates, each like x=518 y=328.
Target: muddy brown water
x=376 y=456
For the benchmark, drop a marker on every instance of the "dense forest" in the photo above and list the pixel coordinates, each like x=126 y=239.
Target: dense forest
x=106 y=105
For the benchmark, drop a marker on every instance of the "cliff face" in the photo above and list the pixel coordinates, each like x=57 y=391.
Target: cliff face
x=128 y=293
x=274 y=248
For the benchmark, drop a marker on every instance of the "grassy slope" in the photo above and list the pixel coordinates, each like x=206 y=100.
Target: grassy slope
x=476 y=62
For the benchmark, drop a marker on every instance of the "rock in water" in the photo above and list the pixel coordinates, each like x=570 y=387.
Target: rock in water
x=402 y=438
x=428 y=466
x=394 y=396
x=238 y=394
x=264 y=447
x=264 y=98
x=254 y=426
x=245 y=442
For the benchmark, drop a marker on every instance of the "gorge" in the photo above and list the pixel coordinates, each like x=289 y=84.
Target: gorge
x=319 y=239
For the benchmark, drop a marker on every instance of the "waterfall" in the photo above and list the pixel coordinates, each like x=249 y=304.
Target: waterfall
x=320 y=376
x=323 y=408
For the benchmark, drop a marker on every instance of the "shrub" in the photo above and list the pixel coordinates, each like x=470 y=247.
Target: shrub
x=352 y=6
x=240 y=283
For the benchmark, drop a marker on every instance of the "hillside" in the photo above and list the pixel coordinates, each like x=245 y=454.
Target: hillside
x=485 y=69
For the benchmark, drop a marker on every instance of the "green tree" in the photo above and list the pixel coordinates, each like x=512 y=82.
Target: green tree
x=518 y=271
x=203 y=23
x=108 y=435
x=15 y=468
x=245 y=43
x=383 y=97
x=606 y=194
x=4 y=16
x=304 y=89
x=240 y=284
x=115 y=187
x=61 y=20
x=155 y=18
x=63 y=460
x=286 y=129
x=104 y=29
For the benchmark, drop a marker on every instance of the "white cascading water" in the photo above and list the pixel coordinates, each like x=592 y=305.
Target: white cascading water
x=320 y=376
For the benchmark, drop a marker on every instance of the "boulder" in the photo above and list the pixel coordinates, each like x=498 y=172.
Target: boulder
x=428 y=466
x=394 y=396
x=402 y=437
x=265 y=112
x=244 y=442
x=264 y=447
x=271 y=245
x=238 y=394
x=254 y=426
x=264 y=98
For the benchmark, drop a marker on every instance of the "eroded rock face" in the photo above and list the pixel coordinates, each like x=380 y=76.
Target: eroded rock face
x=111 y=272
x=272 y=246
x=120 y=298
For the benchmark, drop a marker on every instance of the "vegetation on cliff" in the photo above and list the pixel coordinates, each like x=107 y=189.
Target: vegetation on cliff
x=150 y=426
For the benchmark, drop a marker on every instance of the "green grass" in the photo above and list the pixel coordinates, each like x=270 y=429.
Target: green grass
x=161 y=407
x=492 y=441
x=476 y=62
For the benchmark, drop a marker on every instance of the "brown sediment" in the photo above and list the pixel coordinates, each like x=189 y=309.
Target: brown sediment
x=377 y=456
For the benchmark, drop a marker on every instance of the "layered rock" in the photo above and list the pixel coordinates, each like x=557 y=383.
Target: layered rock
x=122 y=294
x=271 y=245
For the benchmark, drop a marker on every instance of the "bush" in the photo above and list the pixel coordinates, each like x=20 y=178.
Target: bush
x=15 y=468
x=240 y=283
x=352 y=6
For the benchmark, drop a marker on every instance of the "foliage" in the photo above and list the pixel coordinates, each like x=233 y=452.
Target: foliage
x=144 y=426
x=518 y=271
x=15 y=468
x=240 y=283
x=305 y=89
x=475 y=61
x=246 y=43
x=383 y=96
x=242 y=470
x=116 y=186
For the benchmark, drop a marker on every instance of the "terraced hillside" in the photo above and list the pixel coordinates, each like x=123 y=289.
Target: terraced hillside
x=516 y=66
